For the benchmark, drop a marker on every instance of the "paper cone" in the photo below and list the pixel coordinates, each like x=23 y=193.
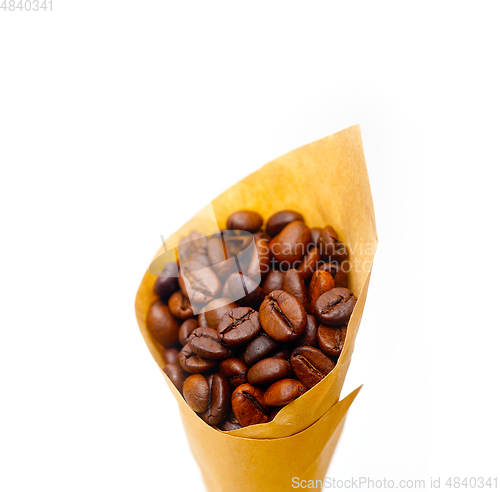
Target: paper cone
x=327 y=182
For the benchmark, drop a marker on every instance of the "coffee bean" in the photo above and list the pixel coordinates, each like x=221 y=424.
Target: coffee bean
x=260 y=260
x=194 y=364
x=274 y=412
x=335 y=306
x=202 y=320
x=245 y=220
x=273 y=281
x=315 y=234
x=258 y=349
x=280 y=220
x=170 y=355
x=331 y=340
x=293 y=283
x=311 y=262
x=269 y=370
x=219 y=260
x=231 y=423
x=240 y=288
x=283 y=392
x=196 y=392
x=164 y=328
x=282 y=316
x=239 y=326
x=321 y=282
x=248 y=405
x=310 y=365
x=180 y=306
x=338 y=271
x=199 y=282
x=192 y=245
x=219 y=401
x=331 y=248
x=166 y=283
x=309 y=337
x=284 y=352
x=235 y=371
x=216 y=309
x=176 y=374
x=290 y=245
x=186 y=329
x=205 y=343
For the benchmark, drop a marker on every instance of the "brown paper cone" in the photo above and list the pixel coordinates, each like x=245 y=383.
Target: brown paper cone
x=327 y=182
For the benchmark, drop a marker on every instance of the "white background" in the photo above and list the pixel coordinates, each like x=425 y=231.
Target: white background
x=120 y=119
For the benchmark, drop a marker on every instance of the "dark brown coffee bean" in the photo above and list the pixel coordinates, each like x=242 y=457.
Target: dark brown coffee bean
x=239 y=326
x=240 y=288
x=202 y=320
x=176 y=374
x=280 y=220
x=164 y=328
x=194 y=364
x=235 y=371
x=166 y=283
x=219 y=401
x=170 y=355
x=258 y=349
x=180 y=306
x=274 y=281
x=331 y=248
x=205 y=343
x=290 y=245
x=311 y=262
x=310 y=365
x=245 y=220
x=284 y=352
x=269 y=370
x=331 y=340
x=199 y=282
x=186 y=329
x=248 y=405
x=321 y=282
x=196 y=392
x=338 y=271
x=231 y=423
x=260 y=261
x=315 y=234
x=282 y=316
x=216 y=309
x=309 y=337
x=283 y=392
x=335 y=306
x=293 y=283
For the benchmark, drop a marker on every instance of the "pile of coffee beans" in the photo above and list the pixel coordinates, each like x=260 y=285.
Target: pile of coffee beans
x=252 y=317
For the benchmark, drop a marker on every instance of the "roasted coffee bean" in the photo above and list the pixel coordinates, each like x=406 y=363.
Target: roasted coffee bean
x=269 y=370
x=248 y=405
x=239 y=326
x=231 y=423
x=335 y=306
x=170 y=355
x=194 y=364
x=216 y=309
x=280 y=220
x=244 y=290
x=309 y=337
x=311 y=262
x=202 y=320
x=274 y=412
x=290 y=245
x=219 y=259
x=163 y=326
x=282 y=316
x=273 y=281
x=219 y=401
x=235 y=371
x=338 y=271
x=331 y=248
x=166 y=283
x=283 y=392
x=237 y=244
x=205 y=343
x=293 y=283
x=260 y=261
x=194 y=244
x=258 y=349
x=186 y=329
x=196 y=392
x=199 y=282
x=176 y=374
x=310 y=365
x=315 y=234
x=261 y=235
x=331 y=340
x=321 y=282
x=180 y=306
x=284 y=352
x=245 y=220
